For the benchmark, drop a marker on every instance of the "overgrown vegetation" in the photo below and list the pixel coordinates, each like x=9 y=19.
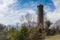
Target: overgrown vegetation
x=31 y=33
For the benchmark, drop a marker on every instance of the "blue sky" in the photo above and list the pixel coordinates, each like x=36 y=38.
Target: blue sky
x=32 y=4
x=11 y=11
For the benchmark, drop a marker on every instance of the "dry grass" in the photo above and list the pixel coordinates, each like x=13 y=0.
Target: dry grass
x=56 y=37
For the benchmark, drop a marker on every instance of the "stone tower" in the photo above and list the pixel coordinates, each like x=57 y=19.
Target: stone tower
x=38 y=33
x=41 y=22
x=40 y=14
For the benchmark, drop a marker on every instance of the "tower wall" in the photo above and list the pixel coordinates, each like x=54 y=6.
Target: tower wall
x=40 y=14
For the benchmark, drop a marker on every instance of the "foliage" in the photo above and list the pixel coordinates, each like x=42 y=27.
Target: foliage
x=48 y=23
x=23 y=34
x=3 y=32
x=12 y=33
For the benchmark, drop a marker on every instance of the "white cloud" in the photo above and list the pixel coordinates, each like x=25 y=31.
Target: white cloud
x=5 y=3
x=56 y=3
x=55 y=15
x=47 y=9
x=13 y=16
x=4 y=10
x=9 y=15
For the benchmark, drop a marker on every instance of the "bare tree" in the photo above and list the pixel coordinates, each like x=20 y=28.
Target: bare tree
x=28 y=18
